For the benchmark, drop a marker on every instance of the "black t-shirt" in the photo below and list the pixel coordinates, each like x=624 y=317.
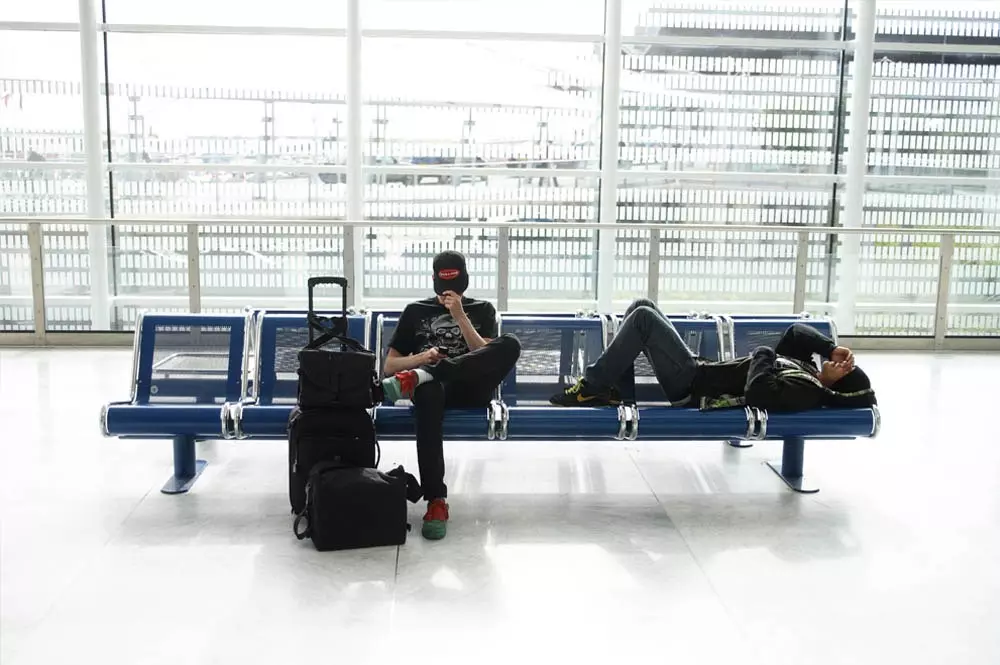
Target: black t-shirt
x=427 y=323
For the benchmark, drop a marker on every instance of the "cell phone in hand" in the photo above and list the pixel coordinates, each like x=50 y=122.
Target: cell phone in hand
x=443 y=351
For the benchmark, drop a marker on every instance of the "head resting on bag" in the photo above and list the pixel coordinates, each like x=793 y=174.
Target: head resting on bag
x=450 y=273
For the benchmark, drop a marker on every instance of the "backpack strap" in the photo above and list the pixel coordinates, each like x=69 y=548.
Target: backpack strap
x=303 y=516
x=413 y=490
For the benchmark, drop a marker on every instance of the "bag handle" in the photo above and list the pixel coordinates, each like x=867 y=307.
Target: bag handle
x=301 y=535
x=313 y=319
x=303 y=516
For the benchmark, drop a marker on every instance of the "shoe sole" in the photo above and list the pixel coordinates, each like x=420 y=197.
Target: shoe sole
x=431 y=531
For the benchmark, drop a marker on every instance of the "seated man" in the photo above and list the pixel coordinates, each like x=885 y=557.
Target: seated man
x=444 y=354
x=779 y=379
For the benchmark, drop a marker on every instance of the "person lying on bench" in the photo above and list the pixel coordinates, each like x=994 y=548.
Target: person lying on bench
x=780 y=379
x=445 y=353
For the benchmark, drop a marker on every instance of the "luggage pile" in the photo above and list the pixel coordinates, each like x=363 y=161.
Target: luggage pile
x=340 y=498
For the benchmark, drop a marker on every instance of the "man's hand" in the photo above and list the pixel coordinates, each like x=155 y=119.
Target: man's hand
x=453 y=302
x=843 y=356
x=430 y=356
x=833 y=372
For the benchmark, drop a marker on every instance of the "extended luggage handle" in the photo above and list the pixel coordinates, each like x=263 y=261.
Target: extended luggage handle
x=338 y=326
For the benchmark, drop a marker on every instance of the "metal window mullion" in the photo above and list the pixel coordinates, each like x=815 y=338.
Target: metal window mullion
x=856 y=164
x=100 y=316
x=193 y=269
x=503 y=269
x=39 y=26
x=801 y=273
x=610 y=109
x=653 y=268
x=352 y=244
x=943 y=289
x=37 y=279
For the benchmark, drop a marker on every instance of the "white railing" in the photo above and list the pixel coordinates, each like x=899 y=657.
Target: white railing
x=194 y=302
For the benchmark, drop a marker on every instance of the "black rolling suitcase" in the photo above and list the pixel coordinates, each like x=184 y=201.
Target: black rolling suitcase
x=341 y=436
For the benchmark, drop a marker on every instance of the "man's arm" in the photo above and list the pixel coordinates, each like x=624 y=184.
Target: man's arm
x=402 y=355
x=802 y=341
x=472 y=338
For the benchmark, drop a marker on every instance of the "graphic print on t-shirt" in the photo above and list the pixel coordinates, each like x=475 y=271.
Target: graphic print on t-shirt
x=443 y=332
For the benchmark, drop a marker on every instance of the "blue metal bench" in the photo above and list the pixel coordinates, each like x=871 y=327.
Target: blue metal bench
x=185 y=368
x=184 y=391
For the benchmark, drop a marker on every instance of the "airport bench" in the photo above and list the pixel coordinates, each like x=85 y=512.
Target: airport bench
x=203 y=377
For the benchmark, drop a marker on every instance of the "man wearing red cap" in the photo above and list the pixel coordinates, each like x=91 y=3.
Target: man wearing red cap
x=445 y=353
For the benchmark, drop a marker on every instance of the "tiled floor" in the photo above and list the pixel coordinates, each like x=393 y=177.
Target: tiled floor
x=558 y=552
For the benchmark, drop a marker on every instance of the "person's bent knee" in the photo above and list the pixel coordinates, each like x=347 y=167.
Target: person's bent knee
x=640 y=302
x=507 y=346
x=643 y=313
x=509 y=342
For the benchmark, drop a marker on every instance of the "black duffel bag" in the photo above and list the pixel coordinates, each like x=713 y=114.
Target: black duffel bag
x=352 y=507
x=335 y=370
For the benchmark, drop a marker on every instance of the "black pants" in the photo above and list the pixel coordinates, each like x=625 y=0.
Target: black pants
x=466 y=382
x=646 y=330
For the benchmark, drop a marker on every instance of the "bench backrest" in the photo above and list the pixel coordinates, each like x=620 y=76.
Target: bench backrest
x=554 y=352
x=279 y=338
x=188 y=358
x=748 y=333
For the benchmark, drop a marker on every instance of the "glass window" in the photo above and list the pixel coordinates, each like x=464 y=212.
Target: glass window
x=41 y=115
x=41 y=10
x=968 y=22
x=225 y=100
x=725 y=109
x=550 y=16
x=16 y=307
x=936 y=119
x=720 y=271
x=804 y=19
x=898 y=279
x=489 y=103
x=290 y=13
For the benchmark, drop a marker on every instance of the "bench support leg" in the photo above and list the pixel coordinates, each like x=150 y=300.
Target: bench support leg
x=186 y=467
x=740 y=443
x=790 y=469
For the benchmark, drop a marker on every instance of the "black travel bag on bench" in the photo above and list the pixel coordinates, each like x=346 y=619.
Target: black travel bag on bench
x=335 y=370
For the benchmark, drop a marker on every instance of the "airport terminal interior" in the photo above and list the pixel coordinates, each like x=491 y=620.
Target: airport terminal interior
x=173 y=174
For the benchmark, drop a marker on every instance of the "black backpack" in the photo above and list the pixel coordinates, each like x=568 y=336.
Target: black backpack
x=342 y=436
x=350 y=507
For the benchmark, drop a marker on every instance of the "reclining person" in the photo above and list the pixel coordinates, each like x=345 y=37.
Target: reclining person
x=445 y=353
x=779 y=379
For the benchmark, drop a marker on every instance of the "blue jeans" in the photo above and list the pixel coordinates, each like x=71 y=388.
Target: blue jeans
x=646 y=330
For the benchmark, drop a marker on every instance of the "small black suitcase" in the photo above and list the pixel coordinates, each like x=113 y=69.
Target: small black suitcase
x=350 y=507
x=342 y=436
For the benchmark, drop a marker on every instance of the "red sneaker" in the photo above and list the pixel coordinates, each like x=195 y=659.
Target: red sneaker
x=436 y=520
x=400 y=386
